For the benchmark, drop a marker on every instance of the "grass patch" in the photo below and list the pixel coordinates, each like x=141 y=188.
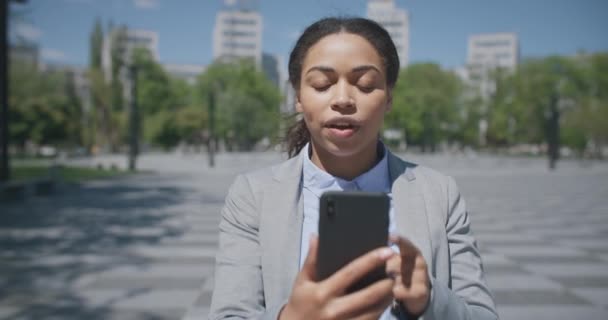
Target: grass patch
x=68 y=174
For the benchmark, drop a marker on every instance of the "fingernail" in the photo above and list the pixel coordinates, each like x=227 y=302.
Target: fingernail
x=385 y=253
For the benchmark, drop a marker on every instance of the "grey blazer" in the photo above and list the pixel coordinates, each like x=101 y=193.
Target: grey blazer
x=260 y=233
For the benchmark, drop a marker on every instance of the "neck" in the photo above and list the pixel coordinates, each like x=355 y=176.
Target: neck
x=345 y=167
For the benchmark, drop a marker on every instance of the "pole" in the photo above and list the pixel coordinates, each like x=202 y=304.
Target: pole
x=133 y=119
x=4 y=159
x=211 y=138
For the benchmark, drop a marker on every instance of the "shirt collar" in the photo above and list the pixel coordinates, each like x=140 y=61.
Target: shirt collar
x=375 y=179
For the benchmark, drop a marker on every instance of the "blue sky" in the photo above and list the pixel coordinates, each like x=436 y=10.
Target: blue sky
x=438 y=29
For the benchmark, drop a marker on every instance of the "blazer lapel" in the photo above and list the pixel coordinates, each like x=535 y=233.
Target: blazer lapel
x=410 y=209
x=283 y=218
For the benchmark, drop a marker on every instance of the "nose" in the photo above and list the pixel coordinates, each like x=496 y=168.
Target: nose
x=342 y=98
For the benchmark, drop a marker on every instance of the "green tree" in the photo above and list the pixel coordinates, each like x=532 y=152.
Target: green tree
x=51 y=116
x=597 y=105
x=533 y=101
x=167 y=105
x=102 y=116
x=154 y=89
x=96 y=45
x=586 y=126
x=118 y=54
x=247 y=103
x=426 y=103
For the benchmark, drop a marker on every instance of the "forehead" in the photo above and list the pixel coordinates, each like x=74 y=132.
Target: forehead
x=342 y=49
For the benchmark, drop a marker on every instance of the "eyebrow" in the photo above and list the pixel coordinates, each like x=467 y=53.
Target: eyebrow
x=326 y=69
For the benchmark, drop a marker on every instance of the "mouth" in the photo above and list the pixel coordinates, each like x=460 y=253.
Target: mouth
x=342 y=128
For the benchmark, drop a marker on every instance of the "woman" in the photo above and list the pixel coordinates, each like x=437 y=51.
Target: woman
x=343 y=71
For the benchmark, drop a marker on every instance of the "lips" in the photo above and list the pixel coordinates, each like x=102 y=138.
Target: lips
x=342 y=127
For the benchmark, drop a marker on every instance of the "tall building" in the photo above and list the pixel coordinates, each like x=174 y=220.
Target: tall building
x=132 y=39
x=396 y=21
x=238 y=32
x=487 y=52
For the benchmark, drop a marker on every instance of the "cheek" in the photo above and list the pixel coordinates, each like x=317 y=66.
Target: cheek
x=311 y=104
x=376 y=106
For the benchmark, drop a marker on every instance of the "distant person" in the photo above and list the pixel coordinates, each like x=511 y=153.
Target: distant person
x=343 y=71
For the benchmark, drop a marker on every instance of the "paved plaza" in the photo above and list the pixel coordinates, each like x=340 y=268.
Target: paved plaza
x=143 y=247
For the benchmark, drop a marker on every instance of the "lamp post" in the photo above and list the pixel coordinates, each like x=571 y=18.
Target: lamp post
x=211 y=119
x=133 y=118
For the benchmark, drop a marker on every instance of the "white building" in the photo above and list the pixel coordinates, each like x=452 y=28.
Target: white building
x=396 y=21
x=187 y=72
x=133 y=39
x=487 y=52
x=238 y=32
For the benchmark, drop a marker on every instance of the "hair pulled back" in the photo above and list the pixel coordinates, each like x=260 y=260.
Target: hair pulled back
x=297 y=135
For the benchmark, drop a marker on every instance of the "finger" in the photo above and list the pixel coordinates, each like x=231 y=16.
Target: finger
x=406 y=247
x=409 y=255
x=374 y=312
x=376 y=296
x=356 y=269
x=418 y=271
x=309 y=267
x=418 y=281
x=393 y=266
x=407 y=269
x=416 y=292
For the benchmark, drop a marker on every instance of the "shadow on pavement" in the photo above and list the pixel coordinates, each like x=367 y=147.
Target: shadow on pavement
x=51 y=248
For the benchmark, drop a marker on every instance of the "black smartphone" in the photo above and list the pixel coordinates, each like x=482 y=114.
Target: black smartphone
x=350 y=225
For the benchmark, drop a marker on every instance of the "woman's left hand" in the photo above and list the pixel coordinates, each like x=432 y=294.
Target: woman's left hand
x=412 y=287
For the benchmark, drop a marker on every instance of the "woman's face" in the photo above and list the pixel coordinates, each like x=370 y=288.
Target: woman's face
x=343 y=95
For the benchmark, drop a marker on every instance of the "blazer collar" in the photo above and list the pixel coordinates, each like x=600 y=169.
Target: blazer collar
x=292 y=169
x=397 y=168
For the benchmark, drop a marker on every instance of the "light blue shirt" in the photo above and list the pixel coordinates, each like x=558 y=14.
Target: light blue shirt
x=316 y=181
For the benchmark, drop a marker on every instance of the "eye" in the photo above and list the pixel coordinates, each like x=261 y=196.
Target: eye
x=322 y=87
x=366 y=88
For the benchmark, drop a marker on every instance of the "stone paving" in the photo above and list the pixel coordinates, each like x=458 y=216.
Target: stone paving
x=143 y=247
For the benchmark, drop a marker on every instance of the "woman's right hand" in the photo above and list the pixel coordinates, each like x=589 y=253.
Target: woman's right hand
x=327 y=299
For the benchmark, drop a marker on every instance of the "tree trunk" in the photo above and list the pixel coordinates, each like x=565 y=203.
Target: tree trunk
x=553 y=134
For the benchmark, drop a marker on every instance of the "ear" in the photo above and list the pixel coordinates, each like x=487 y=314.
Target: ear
x=298 y=103
x=389 y=102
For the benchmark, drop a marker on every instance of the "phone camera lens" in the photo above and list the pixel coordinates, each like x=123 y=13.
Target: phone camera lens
x=331 y=210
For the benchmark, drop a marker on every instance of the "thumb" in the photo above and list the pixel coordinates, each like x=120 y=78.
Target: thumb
x=309 y=268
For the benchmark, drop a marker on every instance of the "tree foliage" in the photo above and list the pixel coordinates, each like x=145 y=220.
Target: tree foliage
x=550 y=101
x=555 y=101
x=170 y=112
x=246 y=102
x=50 y=116
x=425 y=105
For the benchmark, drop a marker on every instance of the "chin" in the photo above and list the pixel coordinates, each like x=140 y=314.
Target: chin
x=344 y=148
